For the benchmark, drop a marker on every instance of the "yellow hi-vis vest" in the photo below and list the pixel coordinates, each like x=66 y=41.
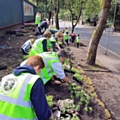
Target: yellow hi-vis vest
x=78 y=39
x=66 y=36
x=15 y=101
x=47 y=72
x=37 y=47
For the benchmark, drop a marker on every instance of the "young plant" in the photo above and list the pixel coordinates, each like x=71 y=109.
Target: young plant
x=75 y=117
x=78 y=88
x=90 y=108
x=73 y=84
x=74 y=70
x=78 y=77
x=77 y=94
x=86 y=108
x=49 y=99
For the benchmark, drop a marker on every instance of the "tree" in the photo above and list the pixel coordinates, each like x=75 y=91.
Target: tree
x=56 y=5
x=75 y=8
x=94 y=41
x=91 y=8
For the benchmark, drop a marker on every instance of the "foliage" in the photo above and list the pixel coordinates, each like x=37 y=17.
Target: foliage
x=75 y=70
x=83 y=98
x=91 y=8
x=75 y=8
x=64 y=14
x=78 y=77
x=66 y=65
x=49 y=99
x=96 y=36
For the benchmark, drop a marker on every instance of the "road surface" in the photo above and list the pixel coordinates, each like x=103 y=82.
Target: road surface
x=86 y=32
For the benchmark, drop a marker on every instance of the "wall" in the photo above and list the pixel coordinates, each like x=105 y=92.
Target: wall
x=12 y=12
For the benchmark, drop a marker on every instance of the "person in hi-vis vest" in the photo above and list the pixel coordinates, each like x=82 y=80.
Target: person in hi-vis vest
x=53 y=66
x=40 y=45
x=22 y=95
x=78 y=40
x=37 y=19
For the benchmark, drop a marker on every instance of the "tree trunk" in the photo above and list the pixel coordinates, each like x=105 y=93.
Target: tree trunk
x=94 y=41
x=56 y=19
x=50 y=15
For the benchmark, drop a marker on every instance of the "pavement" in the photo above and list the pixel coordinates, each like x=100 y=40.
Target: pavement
x=107 y=83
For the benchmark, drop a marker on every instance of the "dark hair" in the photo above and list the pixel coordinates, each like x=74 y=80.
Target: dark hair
x=62 y=53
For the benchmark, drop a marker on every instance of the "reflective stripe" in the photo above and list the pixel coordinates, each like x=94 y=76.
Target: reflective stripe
x=48 y=59
x=20 y=99
x=3 y=117
x=38 y=50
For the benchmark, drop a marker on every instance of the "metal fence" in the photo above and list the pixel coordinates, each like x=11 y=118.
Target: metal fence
x=16 y=11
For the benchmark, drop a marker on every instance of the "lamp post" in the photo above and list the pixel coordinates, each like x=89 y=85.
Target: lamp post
x=114 y=14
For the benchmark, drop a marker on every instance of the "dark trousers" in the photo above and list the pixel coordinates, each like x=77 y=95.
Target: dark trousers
x=24 y=53
x=67 y=42
x=54 y=46
x=78 y=45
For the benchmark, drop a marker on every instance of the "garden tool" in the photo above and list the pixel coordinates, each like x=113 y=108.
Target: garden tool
x=57 y=115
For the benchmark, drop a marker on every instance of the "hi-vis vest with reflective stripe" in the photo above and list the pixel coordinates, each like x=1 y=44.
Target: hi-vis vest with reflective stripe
x=15 y=101
x=66 y=36
x=78 y=39
x=52 y=39
x=37 y=47
x=47 y=72
x=49 y=44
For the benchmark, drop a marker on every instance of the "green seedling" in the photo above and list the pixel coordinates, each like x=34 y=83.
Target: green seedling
x=74 y=70
x=90 y=109
x=75 y=117
x=88 y=97
x=78 y=88
x=73 y=84
x=87 y=102
x=77 y=107
x=78 y=77
x=71 y=96
x=86 y=109
x=82 y=92
x=77 y=94
x=82 y=99
x=80 y=103
x=68 y=117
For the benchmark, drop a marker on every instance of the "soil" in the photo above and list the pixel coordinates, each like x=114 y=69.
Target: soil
x=61 y=92
x=11 y=55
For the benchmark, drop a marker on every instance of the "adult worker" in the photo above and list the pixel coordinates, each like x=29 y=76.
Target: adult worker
x=43 y=26
x=37 y=19
x=66 y=35
x=53 y=66
x=40 y=45
x=22 y=94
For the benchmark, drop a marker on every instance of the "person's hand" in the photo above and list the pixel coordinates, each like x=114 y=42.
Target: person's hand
x=66 y=80
x=57 y=82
